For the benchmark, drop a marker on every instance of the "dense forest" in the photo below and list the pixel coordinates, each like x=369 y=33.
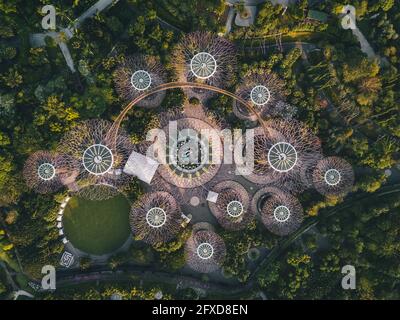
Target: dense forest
x=348 y=99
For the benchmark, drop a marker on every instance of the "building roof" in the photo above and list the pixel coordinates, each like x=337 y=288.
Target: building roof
x=248 y=21
x=141 y=166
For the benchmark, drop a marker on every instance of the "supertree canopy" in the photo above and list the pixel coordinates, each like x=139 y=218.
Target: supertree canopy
x=138 y=74
x=333 y=176
x=205 y=251
x=207 y=58
x=232 y=208
x=43 y=171
x=264 y=90
x=155 y=218
x=191 y=158
x=186 y=160
x=281 y=154
x=97 y=159
x=280 y=212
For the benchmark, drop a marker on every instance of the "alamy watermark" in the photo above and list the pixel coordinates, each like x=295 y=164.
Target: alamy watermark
x=49 y=278
x=190 y=147
x=49 y=20
x=349 y=280
x=349 y=19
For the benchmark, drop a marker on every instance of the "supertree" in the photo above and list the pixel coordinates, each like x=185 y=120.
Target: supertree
x=190 y=158
x=96 y=159
x=333 y=176
x=283 y=153
x=205 y=251
x=207 y=58
x=155 y=218
x=263 y=89
x=280 y=212
x=138 y=74
x=232 y=208
x=43 y=171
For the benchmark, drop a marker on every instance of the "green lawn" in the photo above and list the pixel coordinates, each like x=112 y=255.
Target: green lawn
x=97 y=227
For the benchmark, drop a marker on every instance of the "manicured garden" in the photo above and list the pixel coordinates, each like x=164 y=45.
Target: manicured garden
x=97 y=227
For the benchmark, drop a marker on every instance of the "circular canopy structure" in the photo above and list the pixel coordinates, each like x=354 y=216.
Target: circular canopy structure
x=191 y=158
x=138 y=74
x=283 y=154
x=282 y=157
x=96 y=162
x=205 y=57
x=46 y=171
x=235 y=209
x=141 y=80
x=42 y=171
x=281 y=213
x=98 y=159
x=264 y=90
x=333 y=176
x=155 y=218
x=232 y=206
x=203 y=65
x=205 y=251
x=260 y=95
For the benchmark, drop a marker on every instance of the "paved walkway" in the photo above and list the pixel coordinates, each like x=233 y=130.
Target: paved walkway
x=8 y=276
x=98 y=7
x=38 y=39
x=365 y=46
x=22 y=293
x=228 y=25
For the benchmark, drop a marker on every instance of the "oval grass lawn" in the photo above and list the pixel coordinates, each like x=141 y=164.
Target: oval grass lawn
x=97 y=227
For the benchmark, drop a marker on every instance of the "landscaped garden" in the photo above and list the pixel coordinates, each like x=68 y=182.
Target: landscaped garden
x=97 y=227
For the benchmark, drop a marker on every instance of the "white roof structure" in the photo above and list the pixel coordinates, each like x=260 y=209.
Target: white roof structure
x=144 y=168
x=247 y=20
x=203 y=65
x=212 y=196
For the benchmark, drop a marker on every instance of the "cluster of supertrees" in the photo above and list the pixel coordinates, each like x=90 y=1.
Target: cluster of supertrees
x=86 y=161
x=288 y=157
